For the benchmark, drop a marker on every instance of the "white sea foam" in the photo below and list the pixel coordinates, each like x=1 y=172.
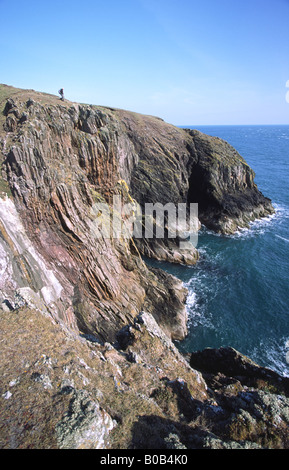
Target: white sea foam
x=283 y=136
x=282 y=238
x=261 y=226
x=258 y=226
x=245 y=261
x=191 y=300
x=281 y=211
x=274 y=355
x=197 y=299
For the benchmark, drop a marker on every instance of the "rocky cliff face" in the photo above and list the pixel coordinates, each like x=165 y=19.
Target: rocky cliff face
x=60 y=159
x=59 y=162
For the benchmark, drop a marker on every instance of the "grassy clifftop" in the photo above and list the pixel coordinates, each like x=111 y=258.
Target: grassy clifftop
x=86 y=326
x=7 y=91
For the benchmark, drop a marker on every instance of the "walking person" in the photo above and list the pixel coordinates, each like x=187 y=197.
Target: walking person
x=61 y=92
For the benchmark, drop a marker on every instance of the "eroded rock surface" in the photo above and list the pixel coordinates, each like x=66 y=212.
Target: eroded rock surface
x=60 y=160
x=63 y=391
x=87 y=327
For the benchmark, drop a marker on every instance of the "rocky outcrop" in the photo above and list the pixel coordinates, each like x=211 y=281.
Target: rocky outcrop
x=61 y=160
x=59 y=390
x=84 y=425
x=87 y=326
x=231 y=363
x=253 y=401
x=64 y=391
x=223 y=185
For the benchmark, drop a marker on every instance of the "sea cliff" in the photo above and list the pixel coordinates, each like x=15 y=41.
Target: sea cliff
x=87 y=326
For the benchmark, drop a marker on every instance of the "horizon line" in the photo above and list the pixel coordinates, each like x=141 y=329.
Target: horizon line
x=214 y=125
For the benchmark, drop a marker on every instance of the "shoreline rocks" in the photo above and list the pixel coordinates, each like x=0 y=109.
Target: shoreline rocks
x=68 y=294
x=63 y=391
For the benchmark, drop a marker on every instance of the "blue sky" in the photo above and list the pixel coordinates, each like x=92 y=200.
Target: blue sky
x=188 y=62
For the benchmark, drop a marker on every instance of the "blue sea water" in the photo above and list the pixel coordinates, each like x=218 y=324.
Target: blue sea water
x=239 y=290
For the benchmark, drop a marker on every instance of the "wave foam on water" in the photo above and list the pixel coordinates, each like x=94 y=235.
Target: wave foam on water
x=191 y=300
x=260 y=226
x=275 y=355
x=238 y=292
x=216 y=272
x=282 y=238
x=255 y=227
x=196 y=303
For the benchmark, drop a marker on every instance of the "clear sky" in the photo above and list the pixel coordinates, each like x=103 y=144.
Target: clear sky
x=189 y=62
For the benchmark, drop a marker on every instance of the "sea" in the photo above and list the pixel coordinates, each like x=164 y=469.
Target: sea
x=238 y=293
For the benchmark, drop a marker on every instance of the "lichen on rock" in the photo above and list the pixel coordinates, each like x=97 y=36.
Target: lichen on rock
x=85 y=425
x=87 y=326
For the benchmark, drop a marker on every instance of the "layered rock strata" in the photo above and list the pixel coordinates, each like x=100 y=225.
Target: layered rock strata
x=60 y=161
x=87 y=326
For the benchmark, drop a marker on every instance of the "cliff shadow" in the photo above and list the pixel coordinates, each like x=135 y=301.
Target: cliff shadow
x=155 y=432
x=186 y=428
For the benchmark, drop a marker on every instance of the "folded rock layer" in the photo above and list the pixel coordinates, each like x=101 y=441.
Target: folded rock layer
x=87 y=325
x=61 y=161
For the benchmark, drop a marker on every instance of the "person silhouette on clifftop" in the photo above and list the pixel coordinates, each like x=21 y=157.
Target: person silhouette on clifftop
x=61 y=92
